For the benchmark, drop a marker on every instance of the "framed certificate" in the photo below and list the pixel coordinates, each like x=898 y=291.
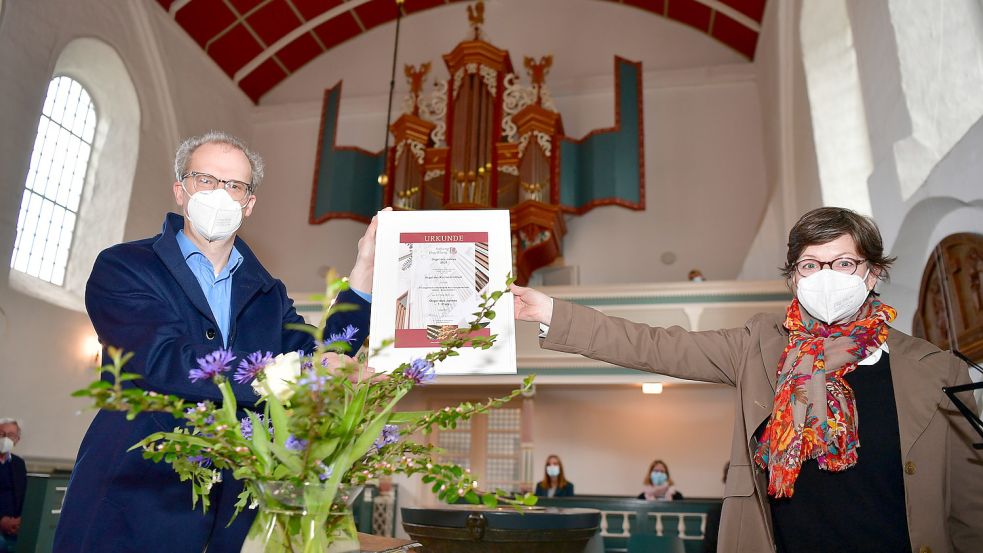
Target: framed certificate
x=431 y=268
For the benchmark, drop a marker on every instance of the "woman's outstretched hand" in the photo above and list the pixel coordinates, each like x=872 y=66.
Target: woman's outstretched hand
x=532 y=305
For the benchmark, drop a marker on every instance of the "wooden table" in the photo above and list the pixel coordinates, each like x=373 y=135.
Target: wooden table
x=382 y=544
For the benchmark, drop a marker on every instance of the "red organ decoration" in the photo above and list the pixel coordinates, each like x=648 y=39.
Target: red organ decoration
x=482 y=140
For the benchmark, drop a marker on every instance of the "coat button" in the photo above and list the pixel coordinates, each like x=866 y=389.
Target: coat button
x=924 y=549
x=909 y=469
x=210 y=334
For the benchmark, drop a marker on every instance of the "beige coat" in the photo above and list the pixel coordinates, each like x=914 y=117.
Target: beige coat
x=943 y=473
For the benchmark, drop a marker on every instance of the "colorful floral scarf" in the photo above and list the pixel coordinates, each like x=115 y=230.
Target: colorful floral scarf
x=811 y=370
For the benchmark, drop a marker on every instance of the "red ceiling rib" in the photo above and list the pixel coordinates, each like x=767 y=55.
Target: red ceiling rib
x=237 y=34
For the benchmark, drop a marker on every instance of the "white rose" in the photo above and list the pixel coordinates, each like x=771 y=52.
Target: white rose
x=283 y=371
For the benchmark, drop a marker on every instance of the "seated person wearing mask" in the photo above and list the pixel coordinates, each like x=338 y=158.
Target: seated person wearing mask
x=554 y=483
x=657 y=485
x=13 y=483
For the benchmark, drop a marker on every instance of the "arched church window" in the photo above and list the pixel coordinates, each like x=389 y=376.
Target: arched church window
x=81 y=173
x=53 y=190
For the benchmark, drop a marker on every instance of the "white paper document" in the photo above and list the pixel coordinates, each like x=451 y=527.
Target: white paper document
x=431 y=268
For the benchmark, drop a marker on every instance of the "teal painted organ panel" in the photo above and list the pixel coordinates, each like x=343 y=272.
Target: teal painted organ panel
x=346 y=179
x=607 y=166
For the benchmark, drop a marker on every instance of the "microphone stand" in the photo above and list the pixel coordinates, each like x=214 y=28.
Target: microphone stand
x=951 y=391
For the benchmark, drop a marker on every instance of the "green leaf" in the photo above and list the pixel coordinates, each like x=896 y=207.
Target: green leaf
x=260 y=441
x=301 y=327
x=407 y=417
x=279 y=419
x=343 y=307
x=489 y=500
x=228 y=401
x=289 y=459
x=324 y=449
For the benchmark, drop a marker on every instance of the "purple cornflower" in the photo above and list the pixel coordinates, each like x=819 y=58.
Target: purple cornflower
x=328 y=471
x=314 y=381
x=251 y=366
x=306 y=363
x=201 y=407
x=420 y=371
x=295 y=444
x=347 y=334
x=212 y=365
x=246 y=426
x=201 y=461
x=389 y=435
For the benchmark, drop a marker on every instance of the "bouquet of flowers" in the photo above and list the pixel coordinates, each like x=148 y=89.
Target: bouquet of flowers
x=321 y=428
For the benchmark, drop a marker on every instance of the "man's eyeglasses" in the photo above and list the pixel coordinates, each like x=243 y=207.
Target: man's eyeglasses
x=845 y=265
x=237 y=189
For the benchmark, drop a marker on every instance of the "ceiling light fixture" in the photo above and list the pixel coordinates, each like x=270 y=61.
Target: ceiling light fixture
x=652 y=388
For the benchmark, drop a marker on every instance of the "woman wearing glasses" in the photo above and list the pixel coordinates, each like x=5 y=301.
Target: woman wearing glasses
x=812 y=388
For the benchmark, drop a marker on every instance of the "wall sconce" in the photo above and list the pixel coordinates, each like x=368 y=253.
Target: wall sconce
x=652 y=388
x=92 y=349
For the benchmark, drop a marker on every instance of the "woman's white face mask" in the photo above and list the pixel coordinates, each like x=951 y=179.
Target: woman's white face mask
x=214 y=214
x=831 y=296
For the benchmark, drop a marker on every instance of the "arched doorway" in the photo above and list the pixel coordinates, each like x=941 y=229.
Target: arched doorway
x=950 y=298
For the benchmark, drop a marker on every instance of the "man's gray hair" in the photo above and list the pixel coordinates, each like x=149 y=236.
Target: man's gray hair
x=188 y=147
x=20 y=427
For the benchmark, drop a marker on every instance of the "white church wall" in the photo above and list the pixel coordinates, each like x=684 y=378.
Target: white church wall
x=926 y=169
x=789 y=149
x=180 y=92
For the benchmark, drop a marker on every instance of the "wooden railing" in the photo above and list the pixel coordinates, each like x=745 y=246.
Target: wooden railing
x=623 y=517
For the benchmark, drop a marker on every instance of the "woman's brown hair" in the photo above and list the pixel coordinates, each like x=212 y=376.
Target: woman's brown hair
x=561 y=479
x=826 y=224
x=648 y=475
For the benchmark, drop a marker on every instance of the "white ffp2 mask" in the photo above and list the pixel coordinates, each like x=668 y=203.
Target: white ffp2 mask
x=6 y=445
x=214 y=214
x=830 y=296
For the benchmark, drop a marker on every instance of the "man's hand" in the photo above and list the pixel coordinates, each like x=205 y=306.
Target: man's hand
x=334 y=361
x=10 y=525
x=361 y=276
x=532 y=305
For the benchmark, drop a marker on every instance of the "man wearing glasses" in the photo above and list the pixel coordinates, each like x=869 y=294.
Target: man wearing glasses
x=171 y=299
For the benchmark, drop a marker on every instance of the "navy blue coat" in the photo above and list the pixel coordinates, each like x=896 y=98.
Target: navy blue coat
x=142 y=297
x=18 y=486
x=564 y=491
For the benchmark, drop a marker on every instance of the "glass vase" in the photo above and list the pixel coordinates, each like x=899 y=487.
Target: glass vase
x=305 y=518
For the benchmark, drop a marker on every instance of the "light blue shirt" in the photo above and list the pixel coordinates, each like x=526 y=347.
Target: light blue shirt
x=217 y=289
